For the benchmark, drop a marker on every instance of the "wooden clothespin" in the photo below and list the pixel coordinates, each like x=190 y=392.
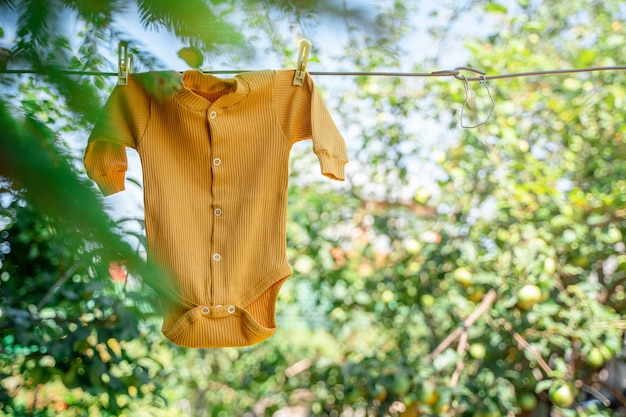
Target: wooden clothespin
x=303 y=58
x=124 y=63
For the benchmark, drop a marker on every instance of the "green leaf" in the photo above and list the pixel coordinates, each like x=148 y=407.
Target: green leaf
x=543 y=385
x=62 y=42
x=445 y=359
x=496 y=8
x=586 y=57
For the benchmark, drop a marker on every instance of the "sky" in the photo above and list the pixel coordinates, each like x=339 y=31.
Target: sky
x=329 y=36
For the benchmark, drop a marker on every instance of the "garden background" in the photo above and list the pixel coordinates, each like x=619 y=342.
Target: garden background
x=475 y=272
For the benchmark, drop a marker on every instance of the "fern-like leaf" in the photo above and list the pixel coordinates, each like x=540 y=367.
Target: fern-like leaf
x=191 y=21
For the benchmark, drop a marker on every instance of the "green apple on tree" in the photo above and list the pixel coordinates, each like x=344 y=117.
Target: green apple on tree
x=562 y=395
x=528 y=296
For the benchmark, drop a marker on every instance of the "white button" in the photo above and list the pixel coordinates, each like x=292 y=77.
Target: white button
x=205 y=310
x=213 y=115
x=217 y=257
x=217 y=162
x=217 y=212
x=231 y=309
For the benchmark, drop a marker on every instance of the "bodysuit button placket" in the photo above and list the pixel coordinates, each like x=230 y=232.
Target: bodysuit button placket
x=217 y=211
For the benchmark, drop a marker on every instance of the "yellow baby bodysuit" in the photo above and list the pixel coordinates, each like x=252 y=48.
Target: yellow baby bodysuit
x=214 y=155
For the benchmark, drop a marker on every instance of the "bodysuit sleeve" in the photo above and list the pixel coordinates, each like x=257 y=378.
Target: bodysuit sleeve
x=120 y=125
x=303 y=115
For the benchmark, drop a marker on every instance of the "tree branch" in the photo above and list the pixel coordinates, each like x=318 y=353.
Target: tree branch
x=58 y=284
x=460 y=364
x=484 y=305
x=597 y=395
x=526 y=346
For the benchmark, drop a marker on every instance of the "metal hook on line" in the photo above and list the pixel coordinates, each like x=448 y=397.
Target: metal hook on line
x=483 y=81
x=463 y=78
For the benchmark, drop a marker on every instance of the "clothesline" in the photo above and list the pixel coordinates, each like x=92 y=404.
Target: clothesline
x=481 y=77
x=456 y=73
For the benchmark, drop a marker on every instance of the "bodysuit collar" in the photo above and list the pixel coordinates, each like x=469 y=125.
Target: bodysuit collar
x=196 y=87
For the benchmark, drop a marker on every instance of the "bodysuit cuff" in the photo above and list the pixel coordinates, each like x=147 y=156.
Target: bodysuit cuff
x=111 y=183
x=331 y=167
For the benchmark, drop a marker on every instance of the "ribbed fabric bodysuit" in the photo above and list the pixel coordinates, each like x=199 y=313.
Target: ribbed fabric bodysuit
x=214 y=155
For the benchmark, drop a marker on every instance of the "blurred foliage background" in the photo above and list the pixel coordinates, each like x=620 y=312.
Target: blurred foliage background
x=473 y=272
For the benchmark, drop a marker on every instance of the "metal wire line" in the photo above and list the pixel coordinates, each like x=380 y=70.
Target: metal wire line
x=456 y=73
x=481 y=77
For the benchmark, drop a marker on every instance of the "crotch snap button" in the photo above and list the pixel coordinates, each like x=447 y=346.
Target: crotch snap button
x=231 y=309
x=206 y=310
